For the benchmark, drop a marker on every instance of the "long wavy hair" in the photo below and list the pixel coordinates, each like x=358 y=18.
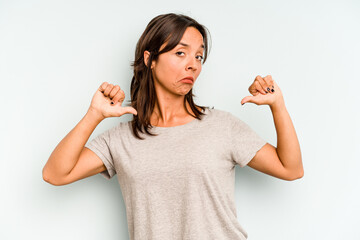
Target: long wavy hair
x=163 y=28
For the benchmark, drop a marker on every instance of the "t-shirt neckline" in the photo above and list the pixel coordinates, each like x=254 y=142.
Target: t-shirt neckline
x=192 y=122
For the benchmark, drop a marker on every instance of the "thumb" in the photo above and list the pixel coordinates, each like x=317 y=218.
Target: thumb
x=247 y=99
x=130 y=110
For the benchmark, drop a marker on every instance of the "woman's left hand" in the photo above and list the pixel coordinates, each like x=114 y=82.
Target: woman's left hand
x=270 y=92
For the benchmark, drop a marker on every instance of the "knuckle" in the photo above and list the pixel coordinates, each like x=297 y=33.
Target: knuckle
x=115 y=90
x=268 y=78
x=120 y=95
x=104 y=85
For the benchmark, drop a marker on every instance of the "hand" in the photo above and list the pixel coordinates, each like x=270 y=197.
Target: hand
x=104 y=96
x=270 y=92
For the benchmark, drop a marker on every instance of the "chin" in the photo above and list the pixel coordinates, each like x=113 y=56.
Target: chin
x=184 y=92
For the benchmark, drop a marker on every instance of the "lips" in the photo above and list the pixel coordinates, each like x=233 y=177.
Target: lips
x=187 y=80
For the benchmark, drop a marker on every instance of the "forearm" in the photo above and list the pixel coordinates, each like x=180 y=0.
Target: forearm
x=67 y=152
x=288 y=148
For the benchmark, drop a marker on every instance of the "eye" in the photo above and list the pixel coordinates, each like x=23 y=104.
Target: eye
x=200 y=57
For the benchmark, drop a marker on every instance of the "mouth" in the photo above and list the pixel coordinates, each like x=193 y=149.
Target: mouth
x=187 y=80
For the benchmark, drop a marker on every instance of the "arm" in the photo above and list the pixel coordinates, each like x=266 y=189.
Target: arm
x=70 y=160
x=285 y=161
x=288 y=147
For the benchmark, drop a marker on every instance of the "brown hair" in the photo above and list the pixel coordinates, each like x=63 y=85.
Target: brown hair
x=163 y=28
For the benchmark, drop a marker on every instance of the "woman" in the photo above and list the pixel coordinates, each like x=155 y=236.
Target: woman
x=175 y=160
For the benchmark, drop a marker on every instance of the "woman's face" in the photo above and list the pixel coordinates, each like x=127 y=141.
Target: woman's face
x=183 y=61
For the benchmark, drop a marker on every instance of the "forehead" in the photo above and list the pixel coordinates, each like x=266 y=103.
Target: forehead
x=192 y=37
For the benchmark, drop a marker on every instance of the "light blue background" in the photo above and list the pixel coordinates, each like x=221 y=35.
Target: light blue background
x=55 y=54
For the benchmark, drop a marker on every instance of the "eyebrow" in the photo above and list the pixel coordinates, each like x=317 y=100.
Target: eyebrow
x=186 y=45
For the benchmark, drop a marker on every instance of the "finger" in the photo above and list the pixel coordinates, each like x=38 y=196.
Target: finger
x=247 y=99
x=114 y=91
x=119 y=97
x=262 y=83
x=108 y=89
x=130 y=110
x=252 y=89
x=103 y=87
x=259 y=88
x=269 y=84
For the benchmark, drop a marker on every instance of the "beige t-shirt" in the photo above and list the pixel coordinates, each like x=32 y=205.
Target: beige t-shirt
x=180 y=184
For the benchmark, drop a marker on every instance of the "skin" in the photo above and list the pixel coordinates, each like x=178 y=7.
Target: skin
x=283 y=161
x=71 y=161
x=168 y=70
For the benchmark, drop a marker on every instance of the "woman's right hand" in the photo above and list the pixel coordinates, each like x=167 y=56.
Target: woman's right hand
x=104 y=95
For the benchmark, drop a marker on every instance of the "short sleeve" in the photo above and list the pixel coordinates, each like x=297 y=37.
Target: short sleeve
x=100 y=145
x=244 y=142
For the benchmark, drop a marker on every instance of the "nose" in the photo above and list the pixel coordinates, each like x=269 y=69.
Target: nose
x=191 y=64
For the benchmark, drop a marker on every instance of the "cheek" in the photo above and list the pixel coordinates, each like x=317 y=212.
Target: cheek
x=173 y=66
x=167 y=68
x=198 y=70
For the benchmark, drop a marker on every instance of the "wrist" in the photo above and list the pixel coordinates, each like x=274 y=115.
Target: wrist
x=95 y=115
x=278 y=106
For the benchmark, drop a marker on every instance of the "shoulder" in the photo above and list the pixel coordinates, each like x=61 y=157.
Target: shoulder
x=124 y=126
x=220 y=114
x=227 y=119
x=120 y=128
x=221 y=119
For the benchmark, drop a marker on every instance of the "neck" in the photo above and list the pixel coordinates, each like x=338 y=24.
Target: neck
x=170 y=109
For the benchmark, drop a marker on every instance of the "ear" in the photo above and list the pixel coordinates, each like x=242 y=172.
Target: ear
x=146 y=58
